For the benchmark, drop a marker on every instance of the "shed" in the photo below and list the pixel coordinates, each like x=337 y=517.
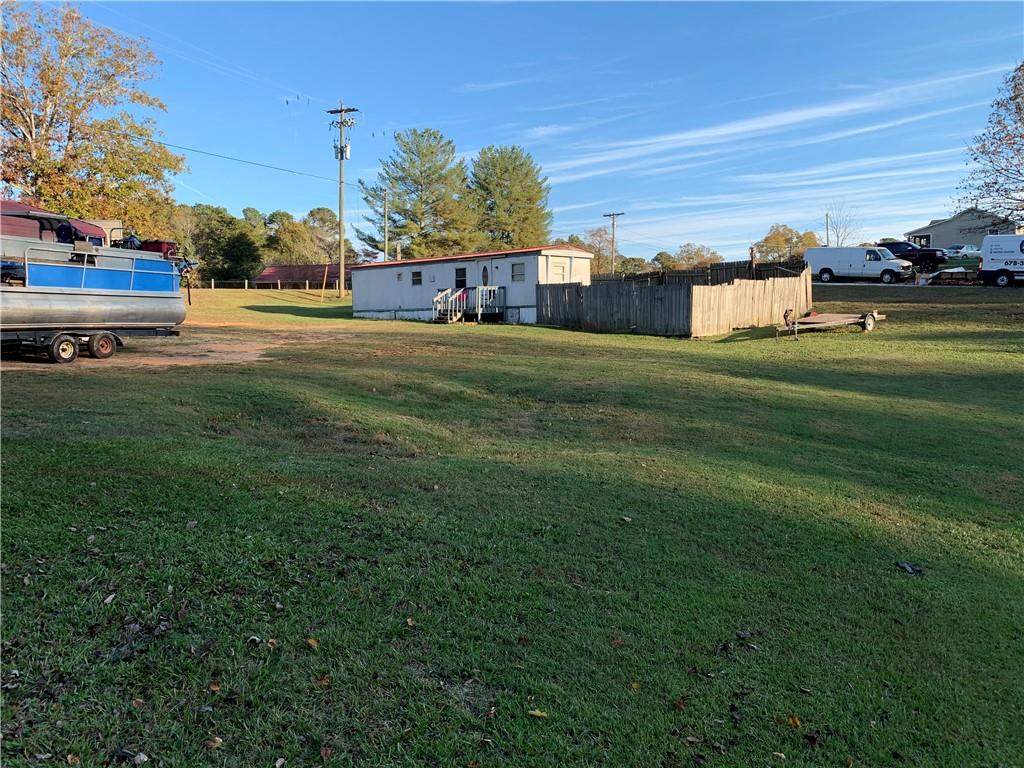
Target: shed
x=494 y=285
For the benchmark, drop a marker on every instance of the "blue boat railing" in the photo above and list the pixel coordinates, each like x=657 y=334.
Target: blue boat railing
x=137 y=274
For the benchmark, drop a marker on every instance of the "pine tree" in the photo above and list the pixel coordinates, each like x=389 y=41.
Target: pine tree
x=428 y=210
x=510 y=198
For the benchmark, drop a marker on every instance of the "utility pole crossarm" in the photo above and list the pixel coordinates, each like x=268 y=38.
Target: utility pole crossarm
x=613 y=217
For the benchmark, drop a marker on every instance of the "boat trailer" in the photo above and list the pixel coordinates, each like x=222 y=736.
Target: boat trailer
x=814 y=321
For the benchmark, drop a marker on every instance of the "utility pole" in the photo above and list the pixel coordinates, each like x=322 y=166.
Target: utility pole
x=341 y=149
x=826 y=229
x=385 y=223
x=613 y=216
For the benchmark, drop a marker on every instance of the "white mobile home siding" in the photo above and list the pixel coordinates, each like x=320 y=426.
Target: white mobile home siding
x=387 y=291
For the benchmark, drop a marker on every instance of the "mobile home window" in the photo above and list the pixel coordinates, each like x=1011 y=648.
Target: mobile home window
x=519 y=272
x=460 y=277
x=558 y=273
x=417 y=278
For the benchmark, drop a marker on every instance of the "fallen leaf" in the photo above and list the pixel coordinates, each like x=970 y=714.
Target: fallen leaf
x=90 y=539
x=312 y=643
x=109 y=598
x=472 y=764
x=324 y=681
x=635 y=686
x=742 y=635
x=74 y=760
x=616 y=643
x=627 y=519
x=805 y=690
x=693 y=739
x=136 y=702
x=191 y=524
x=523 y=640
x=793 y=720
x=214 y=686
x=272 y=643
x=913 y=570
x=680 y=703
x=254 y=640
x=537 y=713
x=140 y=758
x=326 y=752
x=779 y=755
x=410 y=621
x=699 y=760
x=215 y=743
x=279 y=607
x=849 y=762
x=279 y=762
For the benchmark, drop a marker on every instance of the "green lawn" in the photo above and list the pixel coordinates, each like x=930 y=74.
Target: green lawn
x=680 y=552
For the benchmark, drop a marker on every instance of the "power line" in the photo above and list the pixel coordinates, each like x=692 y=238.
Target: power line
x=235 y=159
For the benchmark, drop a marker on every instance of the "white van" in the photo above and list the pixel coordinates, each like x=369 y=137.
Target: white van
x=873 y=263
x=1002 y=260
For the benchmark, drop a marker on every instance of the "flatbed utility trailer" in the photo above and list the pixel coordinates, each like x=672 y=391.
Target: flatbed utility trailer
x=62 y=346
x=814 y=322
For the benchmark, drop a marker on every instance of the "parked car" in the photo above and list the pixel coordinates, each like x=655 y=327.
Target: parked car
x=963 y=251
x=1002 y=260
x=864 y=263
x=924 y=259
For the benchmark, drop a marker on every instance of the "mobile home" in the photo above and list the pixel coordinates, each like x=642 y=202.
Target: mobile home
x=496 y=285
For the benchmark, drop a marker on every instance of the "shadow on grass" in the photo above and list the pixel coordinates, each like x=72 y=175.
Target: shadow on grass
x=330 y=313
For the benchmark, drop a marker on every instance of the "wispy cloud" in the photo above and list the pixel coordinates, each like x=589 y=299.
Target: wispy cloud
x=493 y=85
x=831 y=170
x=577 y=206
x=768 y=124
x=547 y=132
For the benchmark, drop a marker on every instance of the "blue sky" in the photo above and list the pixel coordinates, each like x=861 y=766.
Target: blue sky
x=702 y=122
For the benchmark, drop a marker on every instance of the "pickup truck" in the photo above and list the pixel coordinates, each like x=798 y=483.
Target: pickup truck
x=923 y=259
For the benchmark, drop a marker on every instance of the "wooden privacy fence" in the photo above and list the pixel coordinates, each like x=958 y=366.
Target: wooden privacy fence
x=673 y=309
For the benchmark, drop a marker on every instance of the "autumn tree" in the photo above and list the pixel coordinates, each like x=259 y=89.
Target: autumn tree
x=996 y=182
x=783 y=242
x=70 y=135
x=429 y=211
x=688 y=256
x=510 y=198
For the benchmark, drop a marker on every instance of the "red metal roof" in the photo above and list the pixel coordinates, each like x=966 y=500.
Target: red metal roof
x=464 y=256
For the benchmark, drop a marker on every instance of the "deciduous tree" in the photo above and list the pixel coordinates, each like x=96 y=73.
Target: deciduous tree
x=70 y=132
x=996 y=183
x=510 y=198
x=783 y=242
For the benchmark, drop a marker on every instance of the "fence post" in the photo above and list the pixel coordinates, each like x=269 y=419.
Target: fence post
x=307 y=285
x=279 y=285
x=212 y=286
x=247 y=284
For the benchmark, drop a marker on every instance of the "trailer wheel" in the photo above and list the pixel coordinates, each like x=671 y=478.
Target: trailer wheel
x=868 y=323
x=102 y=345
x=63 y=348
x=825 y=275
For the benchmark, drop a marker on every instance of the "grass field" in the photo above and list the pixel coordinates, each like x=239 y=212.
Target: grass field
x=396 y=543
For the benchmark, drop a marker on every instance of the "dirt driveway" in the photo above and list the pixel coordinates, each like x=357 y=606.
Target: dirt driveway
x=198 y=345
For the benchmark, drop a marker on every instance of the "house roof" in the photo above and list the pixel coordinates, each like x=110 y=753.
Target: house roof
x=966 y=211
x=467 y=256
